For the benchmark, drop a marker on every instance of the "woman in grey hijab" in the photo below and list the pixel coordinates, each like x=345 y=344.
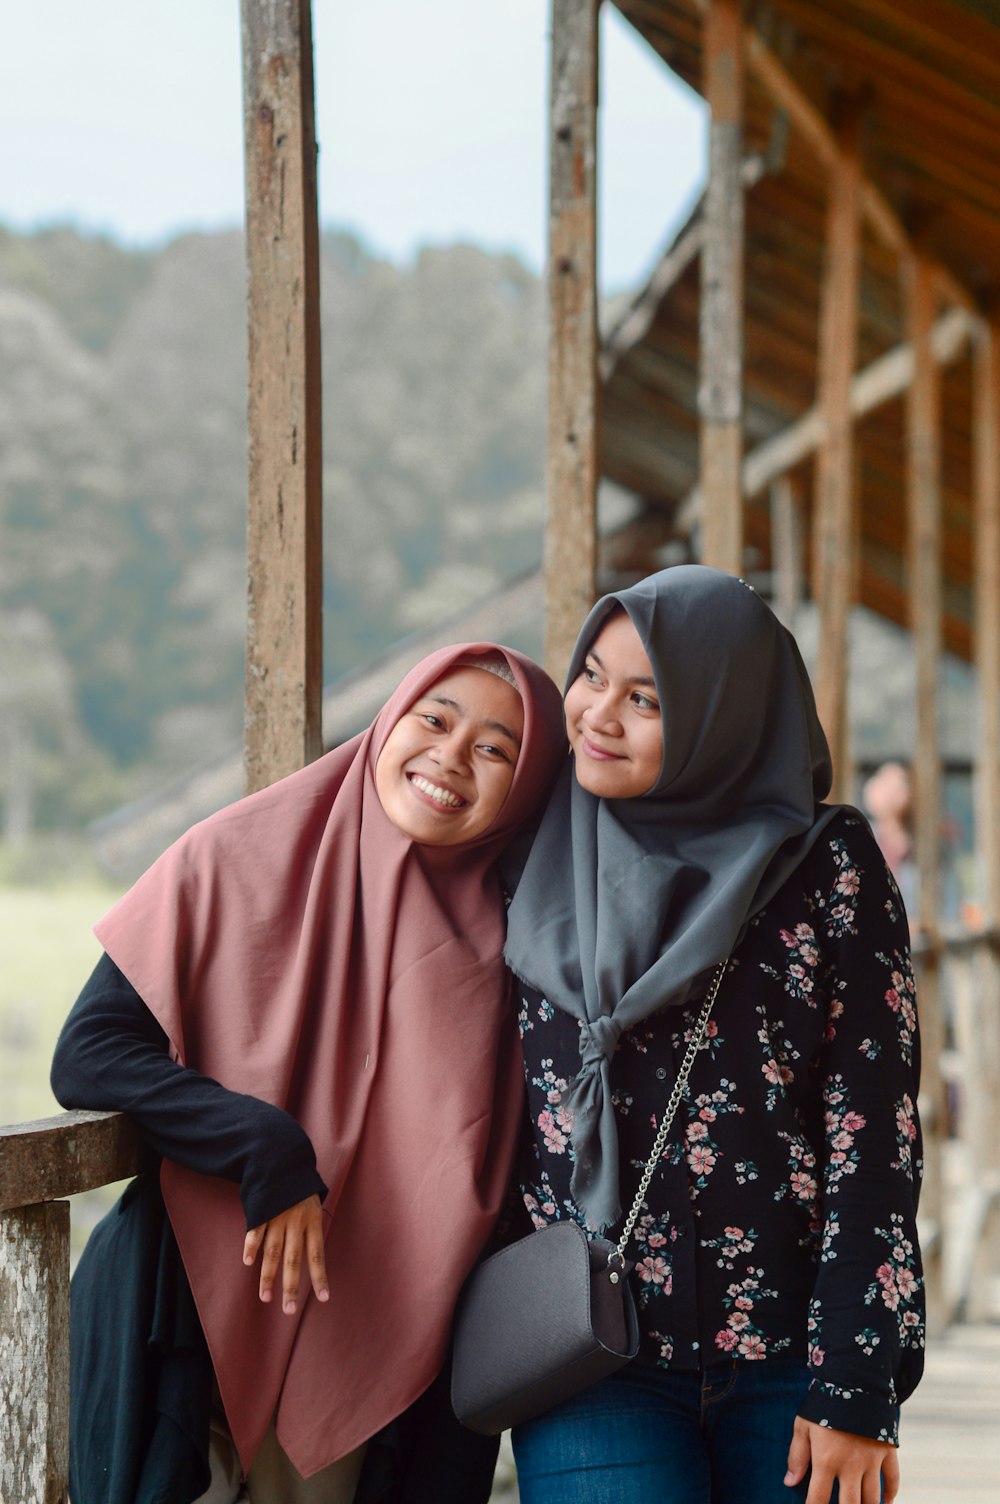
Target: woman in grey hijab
x=779 y=1281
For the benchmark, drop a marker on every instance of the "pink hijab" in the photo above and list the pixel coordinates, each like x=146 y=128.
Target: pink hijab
x=298 y=947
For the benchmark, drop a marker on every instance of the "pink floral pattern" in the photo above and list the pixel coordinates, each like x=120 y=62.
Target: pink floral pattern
x=781 y=1217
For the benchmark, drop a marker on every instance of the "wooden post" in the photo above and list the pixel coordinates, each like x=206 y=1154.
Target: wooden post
x=834 y=531
x=34 y=1354
x=284 y=520
x=572 y=467
x=982 y=1046
x=924 y=508
x=786 y=548
x=986 y=553
x=924 y=505
x=720 y=388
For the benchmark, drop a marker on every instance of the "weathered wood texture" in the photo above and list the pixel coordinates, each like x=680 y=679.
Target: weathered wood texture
x=572 y=463
x=924 y=507
x=61 y=1156
x=284 y=518
x=986 y=502
x=720 y=387
x=34 y=1354
x=835 y=531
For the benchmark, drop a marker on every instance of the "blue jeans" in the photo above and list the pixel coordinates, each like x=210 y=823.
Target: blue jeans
x=647 y=1436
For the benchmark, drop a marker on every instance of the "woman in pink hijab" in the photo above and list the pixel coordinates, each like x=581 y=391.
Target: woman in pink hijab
x=326 y=1056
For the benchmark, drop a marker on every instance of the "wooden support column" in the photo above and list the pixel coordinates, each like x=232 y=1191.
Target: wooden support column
x=786 y=548
x=986 y=553
x=980 y=1049
x=572 y=465
x=284 y=674
x=720 y=389
x=34 y=1354
x=835 y=531
x=924 y=508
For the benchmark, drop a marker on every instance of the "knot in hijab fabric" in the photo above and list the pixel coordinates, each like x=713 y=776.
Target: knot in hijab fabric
x=598 y=1041
x=626 y=906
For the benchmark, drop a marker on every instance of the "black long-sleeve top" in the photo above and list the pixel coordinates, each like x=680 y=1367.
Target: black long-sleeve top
x=113 y=1055
x=781 y=1218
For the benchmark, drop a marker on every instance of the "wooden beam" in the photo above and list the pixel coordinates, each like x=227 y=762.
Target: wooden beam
x=812 y=124
x=284 y=519
x=572 y=463
x=886 y=378
x=34 y=1323
x=64 y=1155
x=834 y=527
x=720 y=388
x=986 y=502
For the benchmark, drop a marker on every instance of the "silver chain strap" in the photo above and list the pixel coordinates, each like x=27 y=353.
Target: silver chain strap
x=695 y=1044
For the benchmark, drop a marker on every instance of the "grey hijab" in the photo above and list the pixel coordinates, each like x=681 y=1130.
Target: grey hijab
x=626 y=906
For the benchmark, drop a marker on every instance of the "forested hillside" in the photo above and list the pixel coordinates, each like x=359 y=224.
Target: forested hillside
x=122 y=487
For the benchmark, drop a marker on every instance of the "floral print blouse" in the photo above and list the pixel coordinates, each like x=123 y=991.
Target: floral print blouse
x=781 y=1218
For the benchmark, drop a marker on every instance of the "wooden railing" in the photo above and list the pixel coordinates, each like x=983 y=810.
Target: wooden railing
x=40 y=1164
x=958 y=991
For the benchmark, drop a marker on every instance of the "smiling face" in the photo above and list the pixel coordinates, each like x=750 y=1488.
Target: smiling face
x=448 y=763
x=613 y=715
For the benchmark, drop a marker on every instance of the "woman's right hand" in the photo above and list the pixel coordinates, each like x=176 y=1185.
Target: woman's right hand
x=285 y=1239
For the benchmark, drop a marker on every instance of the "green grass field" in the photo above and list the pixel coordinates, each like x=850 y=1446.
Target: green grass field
x=48 y=952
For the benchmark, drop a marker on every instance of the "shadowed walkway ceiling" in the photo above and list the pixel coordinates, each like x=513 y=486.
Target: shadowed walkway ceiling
x=926 y=81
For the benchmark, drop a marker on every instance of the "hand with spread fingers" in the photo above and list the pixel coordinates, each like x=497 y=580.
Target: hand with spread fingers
x=285 y=1239
x=867 y=1471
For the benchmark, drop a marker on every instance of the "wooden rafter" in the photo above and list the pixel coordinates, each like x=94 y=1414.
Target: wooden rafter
x=813 y=125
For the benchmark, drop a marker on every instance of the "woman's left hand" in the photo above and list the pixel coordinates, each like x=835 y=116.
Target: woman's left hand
x=285 y=1238
x=857 y=1463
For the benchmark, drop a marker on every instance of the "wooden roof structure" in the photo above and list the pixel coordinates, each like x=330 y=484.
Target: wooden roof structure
x=926 y=91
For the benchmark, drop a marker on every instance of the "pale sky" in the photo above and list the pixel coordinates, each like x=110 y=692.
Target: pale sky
x=124 y=116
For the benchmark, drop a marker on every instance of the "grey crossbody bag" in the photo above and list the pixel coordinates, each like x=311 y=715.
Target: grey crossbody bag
x=554 y=1312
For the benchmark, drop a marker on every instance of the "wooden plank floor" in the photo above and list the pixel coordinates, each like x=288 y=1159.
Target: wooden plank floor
x=950 y=1431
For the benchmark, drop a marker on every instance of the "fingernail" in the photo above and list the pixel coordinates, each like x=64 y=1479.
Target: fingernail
x=265 y=1295
x=248 y=1258
x=289 y=1308
x=789 y=1479
x=323 y=1295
